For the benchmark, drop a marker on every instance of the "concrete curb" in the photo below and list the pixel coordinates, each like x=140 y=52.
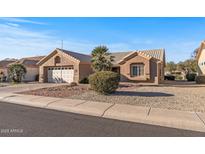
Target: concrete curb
x=163 y=117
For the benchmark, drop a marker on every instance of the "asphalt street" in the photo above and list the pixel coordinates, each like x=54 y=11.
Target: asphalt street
x=18 y=120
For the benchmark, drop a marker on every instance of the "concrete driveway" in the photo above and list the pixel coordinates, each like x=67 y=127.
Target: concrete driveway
x=13 y=88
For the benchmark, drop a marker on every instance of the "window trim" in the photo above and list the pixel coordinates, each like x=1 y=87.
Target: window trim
x=140 y=74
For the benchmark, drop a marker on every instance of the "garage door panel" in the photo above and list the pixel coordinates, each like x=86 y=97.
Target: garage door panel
x=57 y=75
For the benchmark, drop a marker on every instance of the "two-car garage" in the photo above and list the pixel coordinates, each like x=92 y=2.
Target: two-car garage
x=60 y=74
x=64 y=66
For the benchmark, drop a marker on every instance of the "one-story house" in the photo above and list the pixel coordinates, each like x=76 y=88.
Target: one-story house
x=4 y=68
x=200 y=57
x=29 y=62
x=31 y=67
x=142 y=65
x=64 y=66
x=67 y=66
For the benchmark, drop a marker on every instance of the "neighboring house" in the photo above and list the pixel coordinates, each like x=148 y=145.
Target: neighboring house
x=66 y=66
x=4 y=67
x=32 y=68
x=200 y=57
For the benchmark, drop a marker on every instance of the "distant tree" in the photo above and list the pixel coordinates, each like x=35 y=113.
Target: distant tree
x=171 y=67
x=101 y=59
x=187 y=66
x=191 y=65
x=16 y=72
x=194 y=53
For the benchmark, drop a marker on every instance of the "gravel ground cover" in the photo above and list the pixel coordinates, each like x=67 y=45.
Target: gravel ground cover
x=177 y=96
x=62 y=91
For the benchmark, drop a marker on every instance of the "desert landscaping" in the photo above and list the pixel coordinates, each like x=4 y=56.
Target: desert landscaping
x=173 y=95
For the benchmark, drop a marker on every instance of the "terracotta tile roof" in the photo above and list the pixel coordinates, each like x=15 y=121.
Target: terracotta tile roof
x=37 y=58
x=5 y=63
x=155 y=53
x=30 y=61
x=81 y=57
x=117 y=56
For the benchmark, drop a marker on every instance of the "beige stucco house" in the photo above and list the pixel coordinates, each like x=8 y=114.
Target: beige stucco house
x=29 y=62
x=4 y=68
x=201 y=59
x=66 y=66
x=144 y=65
x=31 y=67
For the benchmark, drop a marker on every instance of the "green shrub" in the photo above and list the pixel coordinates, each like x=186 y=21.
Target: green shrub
x=16 y=72
x=84 y=80
x=178 y=77
x=191 y=77
x=104 y=82
x=200 y=79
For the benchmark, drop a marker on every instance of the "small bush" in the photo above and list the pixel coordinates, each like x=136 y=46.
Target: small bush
x=191 y=77
x=104 y=82
x=178 y=77
x=200 y=79
x=84 y=80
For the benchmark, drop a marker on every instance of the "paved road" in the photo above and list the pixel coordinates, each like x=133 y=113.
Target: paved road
x=17 y=120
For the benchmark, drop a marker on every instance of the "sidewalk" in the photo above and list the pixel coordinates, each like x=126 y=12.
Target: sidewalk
x=163 y=117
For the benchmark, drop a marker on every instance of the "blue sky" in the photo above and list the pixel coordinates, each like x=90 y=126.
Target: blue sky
x=20 y=37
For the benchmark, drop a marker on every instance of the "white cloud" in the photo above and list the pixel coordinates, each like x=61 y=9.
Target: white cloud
x=13 y=24
x=20 y=20
x=17 y=42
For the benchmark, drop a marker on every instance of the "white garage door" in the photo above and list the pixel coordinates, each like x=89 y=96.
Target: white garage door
x=60 y=74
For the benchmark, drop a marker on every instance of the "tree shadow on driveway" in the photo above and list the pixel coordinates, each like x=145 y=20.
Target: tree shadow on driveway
x=143 y=94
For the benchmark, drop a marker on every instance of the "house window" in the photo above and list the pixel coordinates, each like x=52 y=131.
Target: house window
x=137 y=70
x=57 y=60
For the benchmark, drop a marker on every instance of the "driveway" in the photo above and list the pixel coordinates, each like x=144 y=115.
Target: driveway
x=12 y=88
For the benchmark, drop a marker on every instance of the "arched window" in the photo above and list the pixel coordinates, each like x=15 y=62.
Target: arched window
x=57 y=60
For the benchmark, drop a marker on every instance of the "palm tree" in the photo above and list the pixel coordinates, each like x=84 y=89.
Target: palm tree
x=16 y=72
x=101 y=59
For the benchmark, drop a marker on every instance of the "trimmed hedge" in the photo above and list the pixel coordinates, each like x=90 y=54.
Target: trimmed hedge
x=200 y=79
x=191 y=77
x=104 y=82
